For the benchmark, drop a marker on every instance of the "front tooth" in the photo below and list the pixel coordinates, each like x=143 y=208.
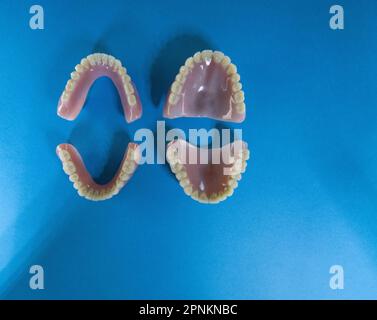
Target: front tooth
x=176 y=87
x=111 y=61
x=173 y=98
x=104 y=59
x=246 y=154
x=92 y=60
x=232 y=69
x=69 y=168
x=197 y=57
x=236 y=87
x=226 y=61
x=239 y=97
x=126 y=78
x=129 y=88
x=117 y=64
x=180 y=78
x=75 y=75
x=77 y=184
x=131 y=100
x=218 y=56
x=214 y=198
x=195 y=195
x=124 y=176
x=207 y=56
x=188 y=190
x=203 y=197
x=189 y=63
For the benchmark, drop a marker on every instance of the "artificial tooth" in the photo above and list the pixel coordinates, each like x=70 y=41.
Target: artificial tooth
x=65 y=96
x=77 y=184
x=126 y=78
x=119 y=183
x=75 y=75
x=92 y=60
x=124 y=176
x=64 y=155
x=218 y=56
x=122 y=71
x=236 y=87
x=111 y=61
x=182 y=174
x=228 y=192
x=70 y=85
x=183 y=71
x=74 y=177
x=226 y=61
x=79 y=68
x=188 y=190
x=203 y=197
x=131 y=100
x=214 y=198
x=207 y=56
x=129 y=88
x=104 y=59
x=240 y=107
x=197 y=57
x=117 y=64
x=246 y=154
x=176 y=87
x=232 y=69
x=184 y=182
x=173 y=98
x=69 y=168
x=84 y=64
x=189 y=63
x=235 y=78
x=239 y=96
x=195 y=195
x=180 y=78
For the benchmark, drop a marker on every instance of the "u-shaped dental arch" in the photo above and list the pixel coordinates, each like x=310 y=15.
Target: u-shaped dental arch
x=207 y=85
x=86 y=72
x=86 y=187
x=213 y=181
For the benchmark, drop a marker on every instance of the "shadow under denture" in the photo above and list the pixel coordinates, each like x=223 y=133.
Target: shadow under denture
x=207 y=175
x=91 y=68
x=207 y=85
x=168 y=61
x=74 y=167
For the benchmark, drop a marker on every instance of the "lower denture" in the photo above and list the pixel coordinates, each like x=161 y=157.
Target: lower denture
x=74 y=167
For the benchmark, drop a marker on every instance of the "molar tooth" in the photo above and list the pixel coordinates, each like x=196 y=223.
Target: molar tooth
x=180 y=78
x=226 y=61
x=77 y=184
x=74 y=177
x=129 y=88
x=235 y=78
x=240 y=107
x=184 y=182
x=131 y=100
x=228 y=191
x=183 y=71
x=69 y=168
x=232 y=69
x=173 y=98
x=70 y=85
x=120 y=183
x=64 y=154
x=239 y=97
x=246 y=154
x=111 y=61
x=197 y=57
x=65 y=96
x=122 y=71
x=182 y=174
x=236 y=87
x=195 y=195
x=124 y=176
x=218 y=56
x=117 y=65
x=176 y=87
x=188 y=190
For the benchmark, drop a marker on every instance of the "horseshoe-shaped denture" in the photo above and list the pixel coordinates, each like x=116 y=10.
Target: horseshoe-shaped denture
x=70 y=104
x=215 y=179
x=208 y=85
x=74 y=167
x=91 y=68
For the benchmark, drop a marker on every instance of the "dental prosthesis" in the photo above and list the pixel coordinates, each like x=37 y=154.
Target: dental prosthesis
x=208 y=85
x=207 y=175
x=70 y=104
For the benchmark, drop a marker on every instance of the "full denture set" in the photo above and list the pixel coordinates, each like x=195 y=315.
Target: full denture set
x=208 y=85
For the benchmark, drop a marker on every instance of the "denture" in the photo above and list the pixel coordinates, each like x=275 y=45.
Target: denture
x=86 y=187
x=213 y=178
x=91 y=68
x=207 y=85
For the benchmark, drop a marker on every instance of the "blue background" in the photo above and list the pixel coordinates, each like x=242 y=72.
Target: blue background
x=307 y=201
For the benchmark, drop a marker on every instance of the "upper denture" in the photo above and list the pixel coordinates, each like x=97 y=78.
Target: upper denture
x=90 y=68
x=208 y=85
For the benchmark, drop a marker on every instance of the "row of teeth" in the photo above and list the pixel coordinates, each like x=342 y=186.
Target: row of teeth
x=89 y=192
x=181 y=174
x=206 y=56
x=100 y=59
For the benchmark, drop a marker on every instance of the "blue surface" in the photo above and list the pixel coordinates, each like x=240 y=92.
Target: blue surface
x=307 y=201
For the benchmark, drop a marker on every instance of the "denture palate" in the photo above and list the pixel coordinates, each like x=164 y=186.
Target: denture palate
x=86 y=72
x=207 y=85
x=214 y=177
x=86 y=187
